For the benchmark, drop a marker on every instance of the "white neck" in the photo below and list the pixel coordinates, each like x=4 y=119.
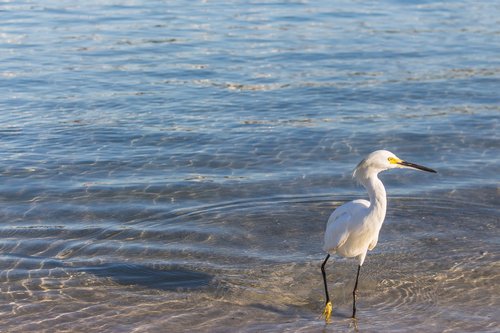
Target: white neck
x=378 y=199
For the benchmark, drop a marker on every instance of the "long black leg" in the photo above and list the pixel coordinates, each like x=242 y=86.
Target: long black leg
x=354 y=294
x=324 y=278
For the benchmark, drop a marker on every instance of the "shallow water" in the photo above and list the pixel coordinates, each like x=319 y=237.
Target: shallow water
x=171 y=166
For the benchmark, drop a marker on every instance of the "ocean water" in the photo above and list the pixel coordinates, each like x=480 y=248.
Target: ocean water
x=169 y=166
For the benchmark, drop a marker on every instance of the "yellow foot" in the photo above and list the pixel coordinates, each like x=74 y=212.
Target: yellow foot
x=327 y=312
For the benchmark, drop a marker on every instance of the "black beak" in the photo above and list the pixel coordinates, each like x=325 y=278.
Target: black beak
x=416 y=166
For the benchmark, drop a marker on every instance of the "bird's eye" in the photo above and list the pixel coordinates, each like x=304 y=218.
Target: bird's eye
x=393 y=160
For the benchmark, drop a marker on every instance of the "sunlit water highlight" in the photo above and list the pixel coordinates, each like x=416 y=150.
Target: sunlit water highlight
x=171 y=166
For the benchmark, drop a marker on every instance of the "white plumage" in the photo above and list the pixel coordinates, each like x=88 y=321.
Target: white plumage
x=353 y=228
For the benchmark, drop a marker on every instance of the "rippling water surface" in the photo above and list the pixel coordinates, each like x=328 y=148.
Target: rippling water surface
x=170 y=166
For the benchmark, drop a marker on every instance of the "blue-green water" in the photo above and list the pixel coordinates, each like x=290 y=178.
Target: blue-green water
x=170 y=166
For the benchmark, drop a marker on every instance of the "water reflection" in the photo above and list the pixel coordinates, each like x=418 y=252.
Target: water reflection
x=259 y=259
x=170 y=166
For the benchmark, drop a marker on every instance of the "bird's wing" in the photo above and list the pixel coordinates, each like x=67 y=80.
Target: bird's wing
x=341 y=223
x=336 y=230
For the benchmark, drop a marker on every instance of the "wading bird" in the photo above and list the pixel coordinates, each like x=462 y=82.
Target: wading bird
x=353 y=228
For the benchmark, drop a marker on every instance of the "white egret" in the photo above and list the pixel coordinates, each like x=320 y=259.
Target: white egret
x=353 y=228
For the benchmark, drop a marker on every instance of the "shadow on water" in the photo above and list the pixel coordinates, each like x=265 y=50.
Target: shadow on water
x=150 y=277
x=160 y=277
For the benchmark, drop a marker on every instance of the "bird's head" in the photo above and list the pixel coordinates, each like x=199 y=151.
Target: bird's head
x=382 y=160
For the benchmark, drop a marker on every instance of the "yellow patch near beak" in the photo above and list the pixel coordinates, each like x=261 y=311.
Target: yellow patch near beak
x=394 y=160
